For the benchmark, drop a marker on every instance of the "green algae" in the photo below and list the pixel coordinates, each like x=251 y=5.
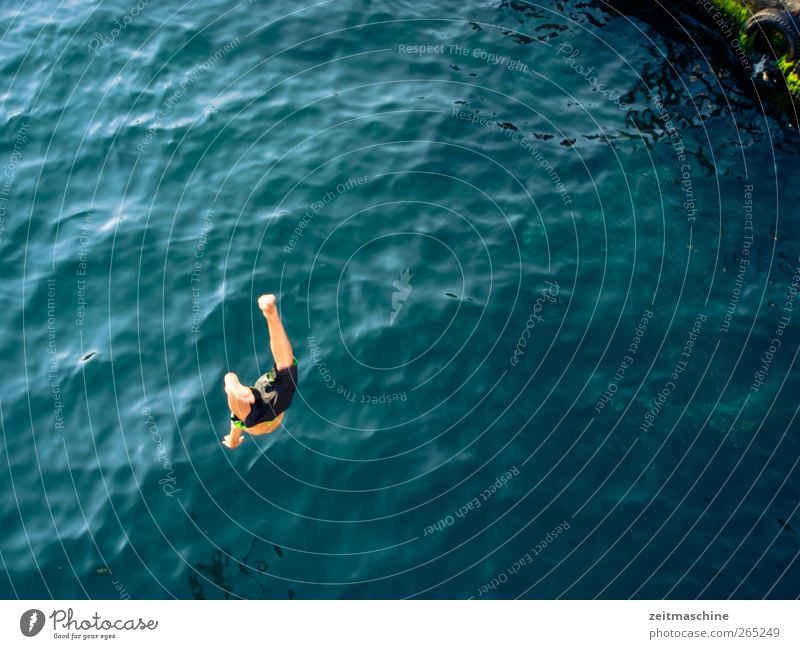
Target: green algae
x=790 y=73
x=735 y=11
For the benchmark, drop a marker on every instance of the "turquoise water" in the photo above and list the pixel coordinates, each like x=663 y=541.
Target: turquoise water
x=534 y=350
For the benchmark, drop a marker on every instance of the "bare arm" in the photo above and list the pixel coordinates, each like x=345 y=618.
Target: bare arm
x=240 y=397
x=234 y=438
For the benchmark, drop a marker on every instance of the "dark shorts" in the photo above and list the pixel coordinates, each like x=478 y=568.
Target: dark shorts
x=273 y=392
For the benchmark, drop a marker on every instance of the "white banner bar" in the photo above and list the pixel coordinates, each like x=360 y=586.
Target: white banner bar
x=386 y=625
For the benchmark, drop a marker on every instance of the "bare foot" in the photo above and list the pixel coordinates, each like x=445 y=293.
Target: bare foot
x=267 y=304
x=243 y=394
x=238 y=391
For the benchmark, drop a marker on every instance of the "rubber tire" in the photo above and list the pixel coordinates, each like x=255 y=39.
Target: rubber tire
x=769 y=20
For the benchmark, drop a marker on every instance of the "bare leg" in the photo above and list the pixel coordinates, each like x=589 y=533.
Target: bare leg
x=278 y=340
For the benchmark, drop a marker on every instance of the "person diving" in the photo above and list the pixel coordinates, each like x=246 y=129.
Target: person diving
x=259 y=410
